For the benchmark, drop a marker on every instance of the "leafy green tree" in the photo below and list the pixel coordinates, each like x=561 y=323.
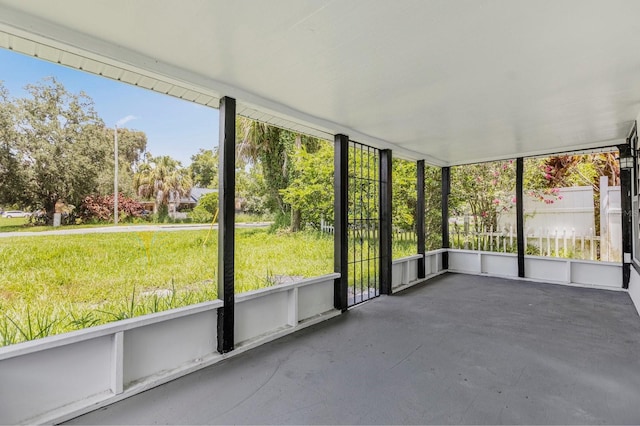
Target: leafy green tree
x=62 y=145
x=204 y=168
x=131 y=146
x=252 y=190
x=274 y=150
x=433 y=207
x=271 y=146
x=311 y=191
x=483 y=190
x=405 y=200
x=404 y=194
x=163 y=179
x=12 y=166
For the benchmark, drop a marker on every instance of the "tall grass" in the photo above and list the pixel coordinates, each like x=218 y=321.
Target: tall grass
x=53 y=284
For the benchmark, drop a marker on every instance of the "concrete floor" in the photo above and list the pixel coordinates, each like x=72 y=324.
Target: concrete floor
x=460 y=349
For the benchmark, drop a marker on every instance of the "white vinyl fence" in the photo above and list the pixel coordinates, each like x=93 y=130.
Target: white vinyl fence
x=564 y=228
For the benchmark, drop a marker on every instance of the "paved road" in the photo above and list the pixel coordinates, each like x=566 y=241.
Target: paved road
x=127 y=228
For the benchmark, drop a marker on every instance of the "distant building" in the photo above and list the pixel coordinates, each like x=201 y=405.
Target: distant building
x=187 y=202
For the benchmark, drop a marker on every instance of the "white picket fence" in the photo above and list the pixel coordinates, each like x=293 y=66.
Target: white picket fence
x=548 y=242
x=397 y=234
x=325 y=227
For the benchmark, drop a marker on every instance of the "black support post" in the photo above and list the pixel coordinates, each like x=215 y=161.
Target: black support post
x=420 y=218
x=226 y=219
x=520 y=214
x=340 y=211
x=386 y=193
x=446 y=190
x=626 y=156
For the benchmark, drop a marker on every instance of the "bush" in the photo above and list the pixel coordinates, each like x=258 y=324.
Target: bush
x=206 y=208
x=99 y=208
x=281 y=221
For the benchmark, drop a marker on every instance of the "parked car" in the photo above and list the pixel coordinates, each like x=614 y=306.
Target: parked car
x=15 y=213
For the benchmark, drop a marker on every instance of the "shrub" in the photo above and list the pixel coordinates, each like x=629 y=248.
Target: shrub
x=206 y=208
x=100 y=208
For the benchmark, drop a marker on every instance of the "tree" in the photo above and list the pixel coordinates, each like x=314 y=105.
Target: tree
x=483 y=190
x=573 y=170
x=271 y=146
x=405 y=198
x=274 y=150
x=433 y=207
x=311 y=191
x=61 y=144
x=252 y=190
x=12 y=170
x=163 y=179
x=204 y=168
x=131 y=145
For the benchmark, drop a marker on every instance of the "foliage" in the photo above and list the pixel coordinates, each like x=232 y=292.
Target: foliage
x=163 y=179
x=402 y=248
x=580 y=170
x=67 y=282
x=311 y=191
x=252 y=190
x=483 y=190
x=272 y=149
x=54 y=146
x=404 y=180
x=271 y=146
x=62 y=142
x=249 y=217
x=204 y=168
x=100 y=208
x=206 y=209
x=433 y=207
x=544 y=176
x=12 y=167
x=281 y=222
x=363 y=199
x=131 y=146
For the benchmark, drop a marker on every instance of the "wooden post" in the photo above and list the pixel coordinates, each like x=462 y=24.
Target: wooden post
x=226 y=221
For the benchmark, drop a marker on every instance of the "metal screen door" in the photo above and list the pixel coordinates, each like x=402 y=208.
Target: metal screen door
x=363 y=223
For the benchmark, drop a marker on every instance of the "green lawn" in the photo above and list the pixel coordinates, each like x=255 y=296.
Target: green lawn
x=52 y=284
x=20 y=224
x=14 y=224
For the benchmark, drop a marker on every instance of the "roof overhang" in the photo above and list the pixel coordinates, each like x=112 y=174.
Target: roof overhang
x=450 y=82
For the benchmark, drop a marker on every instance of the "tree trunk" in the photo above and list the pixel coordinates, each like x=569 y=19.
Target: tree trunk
x=296 y=219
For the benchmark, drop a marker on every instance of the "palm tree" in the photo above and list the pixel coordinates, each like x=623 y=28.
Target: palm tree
x=163 y=179
x=272 y=147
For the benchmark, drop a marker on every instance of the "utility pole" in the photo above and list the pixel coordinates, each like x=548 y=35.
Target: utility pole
x=115 y=176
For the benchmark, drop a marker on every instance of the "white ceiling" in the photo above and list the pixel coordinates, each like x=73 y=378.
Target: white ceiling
x=449 y=81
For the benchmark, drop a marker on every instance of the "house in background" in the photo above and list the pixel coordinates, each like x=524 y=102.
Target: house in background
x=178 y=208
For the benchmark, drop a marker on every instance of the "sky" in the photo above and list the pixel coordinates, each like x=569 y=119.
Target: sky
x=173 y=126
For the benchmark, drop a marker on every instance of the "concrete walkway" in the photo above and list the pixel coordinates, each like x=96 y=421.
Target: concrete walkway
x=458 y=350
x=127 y=228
